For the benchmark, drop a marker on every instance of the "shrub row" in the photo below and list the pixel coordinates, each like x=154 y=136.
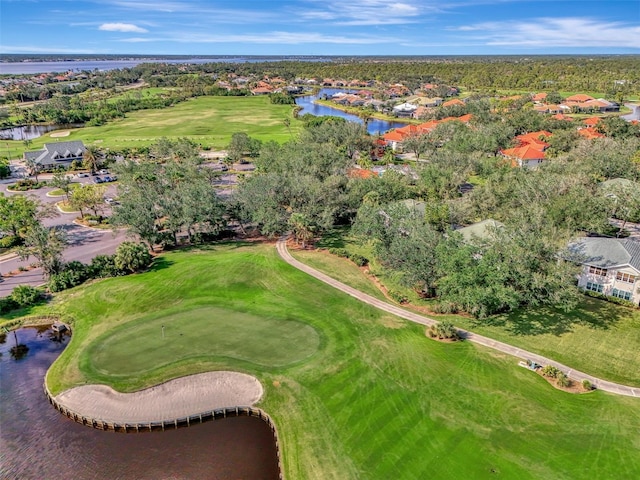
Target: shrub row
x=445 y=307
x=26 y=184
x=129 y=257
x=356 y=258
x=616 y=300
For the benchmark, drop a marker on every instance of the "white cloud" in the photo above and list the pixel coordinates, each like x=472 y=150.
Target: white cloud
x=122 y=27
x=557 y=32
x=289 y=38
x=367 y=12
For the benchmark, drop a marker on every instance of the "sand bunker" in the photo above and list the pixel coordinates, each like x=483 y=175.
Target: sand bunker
x=65 y=133
x=177 y=398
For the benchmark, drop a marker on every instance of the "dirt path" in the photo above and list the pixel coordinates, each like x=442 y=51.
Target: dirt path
x=174 y=399
x=604 y=385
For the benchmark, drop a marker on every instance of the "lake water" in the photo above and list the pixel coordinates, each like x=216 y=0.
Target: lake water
x=37 y=442
x=18 y=68
x=374 y=127
x=29 y=132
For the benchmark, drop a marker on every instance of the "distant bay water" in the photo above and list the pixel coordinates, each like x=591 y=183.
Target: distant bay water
x=33 y=67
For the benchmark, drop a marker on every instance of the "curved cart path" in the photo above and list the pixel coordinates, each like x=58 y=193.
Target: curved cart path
x=168 y=401
x=605 y=385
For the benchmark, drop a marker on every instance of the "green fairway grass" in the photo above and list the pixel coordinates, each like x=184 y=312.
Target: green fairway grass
x=598 y=337
x=209 y=121
x=377 y=399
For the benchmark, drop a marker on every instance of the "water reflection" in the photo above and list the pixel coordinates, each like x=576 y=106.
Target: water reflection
x=29 y=132
x=374 y=127
x=36 y=442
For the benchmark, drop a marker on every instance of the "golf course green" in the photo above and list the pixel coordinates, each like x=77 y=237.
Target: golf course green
x=354 y=392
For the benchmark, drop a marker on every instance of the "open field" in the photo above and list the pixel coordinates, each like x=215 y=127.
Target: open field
x=598 y=337
x=209 y=121
x=377 y=399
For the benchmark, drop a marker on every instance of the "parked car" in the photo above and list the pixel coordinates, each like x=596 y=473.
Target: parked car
x=98 y=180
x=110 y=201
x=107 y=179
x=103 y=172
x=83 y=175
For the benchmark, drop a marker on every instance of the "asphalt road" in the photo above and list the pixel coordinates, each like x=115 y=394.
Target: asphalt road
x=604 y=385
x=84 y=243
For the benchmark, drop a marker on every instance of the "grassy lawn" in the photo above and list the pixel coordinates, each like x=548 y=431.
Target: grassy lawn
x=598 y=337
x=209 y=121
x=359 y=393
x=65 y=207
x=58 y=192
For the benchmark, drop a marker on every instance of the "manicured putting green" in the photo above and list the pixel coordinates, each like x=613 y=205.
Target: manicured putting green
x=143 y=345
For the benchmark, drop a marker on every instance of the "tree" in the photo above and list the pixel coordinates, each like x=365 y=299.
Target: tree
x=403 y=241
x=417 y=143
x=88 y=197
x=158 y=201
x=240 y=145
x=624 y=197
x=132 y=257
x=63 y=182
x=46 y=245
x=5 y=170
x=17 y=214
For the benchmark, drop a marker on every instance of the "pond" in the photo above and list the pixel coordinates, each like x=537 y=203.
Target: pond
x=374 y=127
x=29 y=132
x=37 y=442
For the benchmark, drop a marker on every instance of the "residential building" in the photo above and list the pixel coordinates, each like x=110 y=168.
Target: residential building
x=610 y=266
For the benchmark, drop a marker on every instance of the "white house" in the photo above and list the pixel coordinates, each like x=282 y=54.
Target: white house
x=404 y=109
x=611 y=266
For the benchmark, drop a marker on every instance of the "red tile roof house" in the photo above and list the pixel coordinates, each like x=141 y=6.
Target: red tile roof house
x=530 y=150
x=591 y=121
x=261 y=90
x=362 y=173
x=394 y=138
x=583 y=103
x=527 y=156
x=453 y=102
x=590 y=133
x=561 y=116
x=579 y=98
x=539 y=97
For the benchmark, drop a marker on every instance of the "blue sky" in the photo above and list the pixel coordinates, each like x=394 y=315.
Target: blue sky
x=319 y=27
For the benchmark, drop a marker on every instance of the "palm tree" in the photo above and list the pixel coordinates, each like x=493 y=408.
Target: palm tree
x=90 y=159
x=302 y=228
x=34 y=167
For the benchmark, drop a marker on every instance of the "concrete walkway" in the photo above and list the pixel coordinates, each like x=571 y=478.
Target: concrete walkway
x=168 y=401
x=472 y=337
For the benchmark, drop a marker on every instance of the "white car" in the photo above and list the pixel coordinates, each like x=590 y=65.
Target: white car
x=83 y=175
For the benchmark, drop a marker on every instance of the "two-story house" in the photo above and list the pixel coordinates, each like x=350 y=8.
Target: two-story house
x=610 y=266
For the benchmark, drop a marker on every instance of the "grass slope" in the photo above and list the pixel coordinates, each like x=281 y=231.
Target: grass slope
x=378 y=399
x=599 y=338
